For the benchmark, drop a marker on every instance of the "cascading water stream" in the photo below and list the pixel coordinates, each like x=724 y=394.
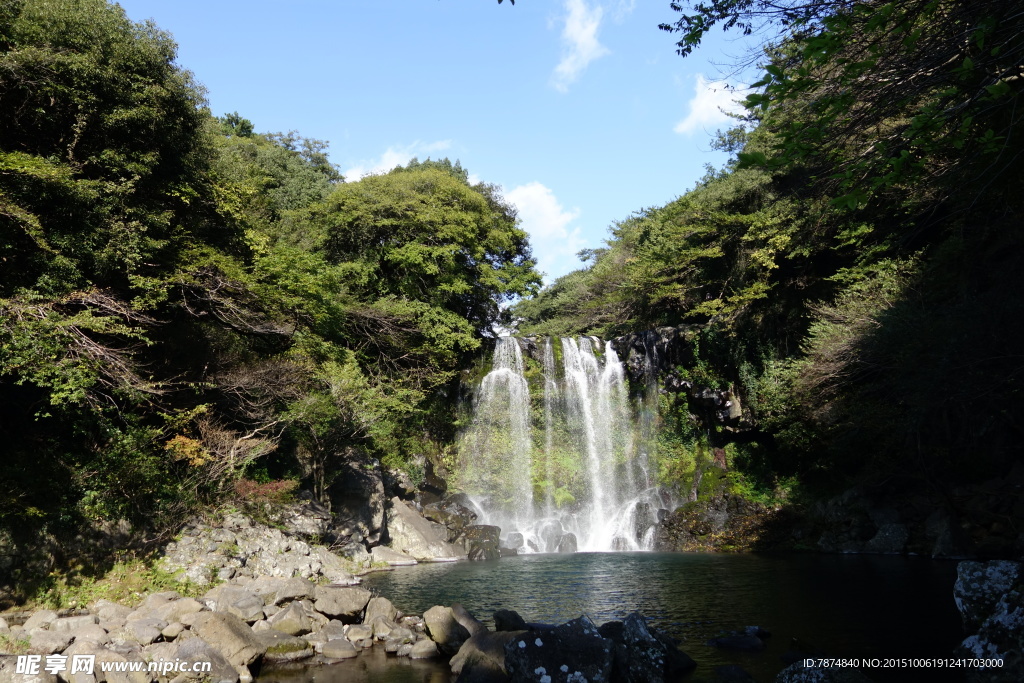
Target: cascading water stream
x=576 y=451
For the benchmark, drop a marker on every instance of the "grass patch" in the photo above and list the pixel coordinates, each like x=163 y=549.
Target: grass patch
x=13 y=645
x=127 y=582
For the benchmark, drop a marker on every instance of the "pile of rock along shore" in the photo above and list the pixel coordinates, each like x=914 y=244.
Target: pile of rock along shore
x=245 y=624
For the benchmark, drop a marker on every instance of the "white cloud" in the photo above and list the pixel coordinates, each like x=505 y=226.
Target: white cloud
x=581 y=45
x=711 y=99
x=548 y=223
x=397 y=155
x=623 y=9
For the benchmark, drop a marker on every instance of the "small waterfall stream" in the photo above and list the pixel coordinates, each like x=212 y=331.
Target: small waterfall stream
x=559 y=468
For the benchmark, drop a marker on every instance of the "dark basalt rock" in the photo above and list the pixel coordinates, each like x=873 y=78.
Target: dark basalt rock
x=509 y=620
x=453 y=513
x=648 y=656
x=481 y=541
x=574 y=649
x=567 y=543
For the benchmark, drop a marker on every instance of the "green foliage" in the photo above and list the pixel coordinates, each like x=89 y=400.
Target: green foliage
x=850 y=275
x=184 y=300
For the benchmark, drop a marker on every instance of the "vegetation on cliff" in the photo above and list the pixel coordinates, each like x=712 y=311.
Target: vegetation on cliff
x=184 y=302
x=853 y=275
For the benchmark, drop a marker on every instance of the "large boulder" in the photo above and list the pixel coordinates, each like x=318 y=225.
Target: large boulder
x=196 y=650
x=453 y=513
x=481 y=541
x=392 y=557
x=380 y=607
x=292 y=620
x=410 y=533
x=244 y=604
x=339 y=648
x=445 y=629
x=508 y=620
x=342 y=602
x=572 y=651
x=231 y=636
x=482 y=657
x=645 y=655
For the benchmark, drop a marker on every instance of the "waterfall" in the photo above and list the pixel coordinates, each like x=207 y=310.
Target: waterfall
x=498 y=448
x=576 y=451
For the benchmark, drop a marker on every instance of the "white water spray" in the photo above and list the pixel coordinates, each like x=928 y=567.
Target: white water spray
x=593 y=481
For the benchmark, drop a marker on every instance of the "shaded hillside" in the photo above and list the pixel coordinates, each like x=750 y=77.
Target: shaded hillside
x=854 y=274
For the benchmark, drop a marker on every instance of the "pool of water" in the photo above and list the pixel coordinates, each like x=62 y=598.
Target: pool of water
x=862 y=606
x=853 y=606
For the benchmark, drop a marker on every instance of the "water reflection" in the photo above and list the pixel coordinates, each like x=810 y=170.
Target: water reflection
x=372 y=666
x=845 y=605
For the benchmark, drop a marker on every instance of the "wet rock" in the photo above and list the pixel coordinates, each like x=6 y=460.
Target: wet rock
x=550 y=533
x=444 y=629
x=481 y=541
x=339 y=648
x=1000 y=635
x=482 y=657
x=643 y=654
x=281 y=647
x=576 y=645
x=423 y=649
x=467 y=620
x=508 y=620
x=359 y=632
x=567 y=543
x=514 y=541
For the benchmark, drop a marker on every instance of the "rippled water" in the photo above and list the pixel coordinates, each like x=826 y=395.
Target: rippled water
x=843 y=605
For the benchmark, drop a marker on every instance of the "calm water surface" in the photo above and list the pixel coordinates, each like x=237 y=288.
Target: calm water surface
x=842 y=605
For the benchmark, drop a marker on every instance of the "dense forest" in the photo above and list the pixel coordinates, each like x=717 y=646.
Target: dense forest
x=186 y=304
x=853 y=275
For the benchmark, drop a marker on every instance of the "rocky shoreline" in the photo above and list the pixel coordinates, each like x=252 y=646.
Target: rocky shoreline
x=275 y=599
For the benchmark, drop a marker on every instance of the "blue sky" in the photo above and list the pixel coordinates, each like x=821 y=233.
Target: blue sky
x=579 y=109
